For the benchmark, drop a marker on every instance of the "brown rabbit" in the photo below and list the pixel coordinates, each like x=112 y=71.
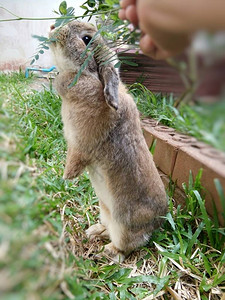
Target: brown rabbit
x=103 y=133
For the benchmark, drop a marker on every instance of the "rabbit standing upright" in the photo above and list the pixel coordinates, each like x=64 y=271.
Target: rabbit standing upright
x=103 y=133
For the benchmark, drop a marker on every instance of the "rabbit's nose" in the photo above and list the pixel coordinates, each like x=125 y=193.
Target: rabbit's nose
x=52 y=27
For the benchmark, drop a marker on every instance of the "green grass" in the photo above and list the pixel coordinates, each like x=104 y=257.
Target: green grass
x=203 y=121
x=44 y=253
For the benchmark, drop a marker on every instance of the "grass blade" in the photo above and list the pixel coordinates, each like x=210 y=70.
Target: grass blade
x=220 y=191
x=194 y=237
x=205 y=217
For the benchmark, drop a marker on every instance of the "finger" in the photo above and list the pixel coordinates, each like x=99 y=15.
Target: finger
x=149 y=48
x=159 y=54
x=146 y=44
x=122 y=14
x=125 y=3
x=131 y=14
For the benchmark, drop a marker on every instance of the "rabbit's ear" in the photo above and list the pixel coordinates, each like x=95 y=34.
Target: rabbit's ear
x=110 y=80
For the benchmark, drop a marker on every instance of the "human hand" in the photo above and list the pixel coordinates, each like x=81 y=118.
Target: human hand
x=128 y=11
x=157 y=41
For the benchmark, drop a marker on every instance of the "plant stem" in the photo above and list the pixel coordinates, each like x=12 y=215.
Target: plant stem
x=18 y=18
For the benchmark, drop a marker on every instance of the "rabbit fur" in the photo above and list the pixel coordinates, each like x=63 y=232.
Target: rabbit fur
x=103 y=133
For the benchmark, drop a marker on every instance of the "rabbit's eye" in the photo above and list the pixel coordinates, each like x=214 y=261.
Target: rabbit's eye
x=86 y=39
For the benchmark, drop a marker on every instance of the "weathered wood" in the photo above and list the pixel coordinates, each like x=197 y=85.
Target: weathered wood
x=160 y=77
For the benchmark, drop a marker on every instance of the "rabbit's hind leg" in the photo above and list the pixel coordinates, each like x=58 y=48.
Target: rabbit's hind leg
x=100 y=230
x=124 y=241
x=113 y=253
x=112 y=250
x=105 y=215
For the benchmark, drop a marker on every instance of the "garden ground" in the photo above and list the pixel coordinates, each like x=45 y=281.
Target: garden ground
x=44 y=253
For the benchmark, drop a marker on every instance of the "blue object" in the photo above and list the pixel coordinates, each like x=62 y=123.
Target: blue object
x=36 y=69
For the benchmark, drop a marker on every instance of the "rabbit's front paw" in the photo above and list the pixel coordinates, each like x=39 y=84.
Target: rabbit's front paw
x=75 y=164
x=97 y=230
x=70 y=173
x=113 y=253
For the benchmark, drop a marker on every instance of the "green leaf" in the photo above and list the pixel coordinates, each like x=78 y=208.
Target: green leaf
x=198 y=178
x=195 y=236
x=63 y=8
x=84 y=65
x=219 y=279
x=59 y=22
x=190 y=180
x=153 y=146
x=55 y=12
x=171 y=221
x=206 y=263
x=117 y=65
x=90 y=3
x=45 y=47
x=70 y=11
x=130 y=63
x=112 y=296
x=32 y=62
x=161 y=284
x=203 y=297
x=40 y=38
x=120 y=275
x=205 y=216
x=220 y=191
x=223 y=258
x=84 y=7
x=204 y=286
